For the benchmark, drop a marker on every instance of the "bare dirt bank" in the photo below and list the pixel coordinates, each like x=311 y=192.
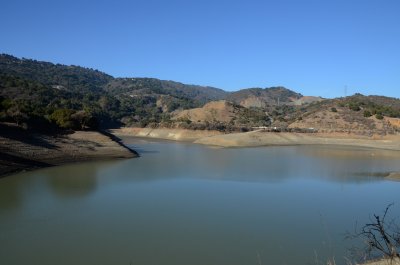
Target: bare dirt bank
x=394 y=176
x=20 y=150
x=262 y=138
x=167 y=134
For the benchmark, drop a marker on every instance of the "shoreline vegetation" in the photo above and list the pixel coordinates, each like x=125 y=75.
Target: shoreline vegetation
x=22 y=150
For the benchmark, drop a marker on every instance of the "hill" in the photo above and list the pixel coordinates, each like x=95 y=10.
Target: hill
x=62 y=77
x=258 y=97
x=54 y=96
x=358 y=114
x=33 y=90
x=143 y=86
x=222 y=115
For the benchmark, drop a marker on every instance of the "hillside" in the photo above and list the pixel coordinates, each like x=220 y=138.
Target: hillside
x=72 y=97
x=143 y=86
x=258 y=97
x=357 y=114
x=223 y=113
x=62 y=77
x=49 y=96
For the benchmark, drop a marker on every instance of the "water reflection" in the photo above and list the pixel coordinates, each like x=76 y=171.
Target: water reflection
x=181 y=202
x=11 y=192
x=73 y=181
x=271 y=164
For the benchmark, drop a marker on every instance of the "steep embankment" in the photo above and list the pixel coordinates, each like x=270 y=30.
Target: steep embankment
x=21 y=150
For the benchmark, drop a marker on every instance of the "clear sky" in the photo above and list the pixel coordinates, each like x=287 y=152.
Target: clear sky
x=313 y=47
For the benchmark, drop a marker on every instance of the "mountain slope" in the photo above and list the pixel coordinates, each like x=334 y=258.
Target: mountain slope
x=258 y=97
x=73 y=97
x=71 y=78
x=357 y=114
x=225 y=113
x=141 y=86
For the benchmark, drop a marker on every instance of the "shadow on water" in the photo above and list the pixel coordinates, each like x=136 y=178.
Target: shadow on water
x=77 y=181
x=11 y=192
x=145 y=151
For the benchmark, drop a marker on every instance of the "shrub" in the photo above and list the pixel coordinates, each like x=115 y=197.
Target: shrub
x=354 y=107
x=367 y=114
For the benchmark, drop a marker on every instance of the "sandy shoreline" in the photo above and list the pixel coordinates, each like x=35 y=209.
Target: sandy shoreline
x=21 y=150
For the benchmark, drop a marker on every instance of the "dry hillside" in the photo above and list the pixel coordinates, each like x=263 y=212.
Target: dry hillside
x=358 y=114
x=223 y=112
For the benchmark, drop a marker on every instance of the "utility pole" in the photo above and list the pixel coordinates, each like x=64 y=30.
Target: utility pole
x=345 y=91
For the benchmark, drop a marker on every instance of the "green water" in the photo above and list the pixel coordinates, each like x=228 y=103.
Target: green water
x=182 y=204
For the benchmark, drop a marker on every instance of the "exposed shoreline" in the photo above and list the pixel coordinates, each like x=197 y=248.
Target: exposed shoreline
x=183 y=135
x=262 y=138
x=21 y=151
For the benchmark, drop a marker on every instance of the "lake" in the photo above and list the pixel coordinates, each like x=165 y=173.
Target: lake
x=181 y=204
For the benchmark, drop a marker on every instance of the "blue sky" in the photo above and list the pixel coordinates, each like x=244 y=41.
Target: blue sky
x=313 y=47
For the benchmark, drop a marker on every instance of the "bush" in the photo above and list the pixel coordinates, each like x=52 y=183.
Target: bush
x=354 y=107
x=379 y=116
x=333 y=109
x=367 y=114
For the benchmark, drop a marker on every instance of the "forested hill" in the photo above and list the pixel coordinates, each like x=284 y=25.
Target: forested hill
x=71 y=96
x=71 y=78
x=76 y=78
x=266 y=96
x=141 y=86
x=37 y=94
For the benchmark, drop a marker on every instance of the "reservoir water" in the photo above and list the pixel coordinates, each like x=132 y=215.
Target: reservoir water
x=181 y=204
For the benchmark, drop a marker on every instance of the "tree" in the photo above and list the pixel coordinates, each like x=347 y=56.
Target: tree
x=381 y=237
x=17 y=114
x=84 y=119
x=62 y=117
